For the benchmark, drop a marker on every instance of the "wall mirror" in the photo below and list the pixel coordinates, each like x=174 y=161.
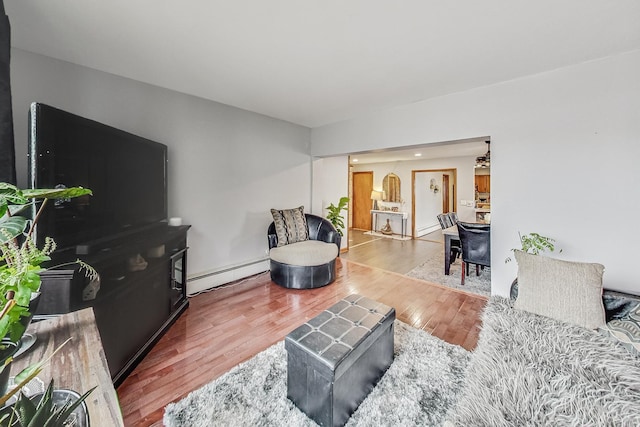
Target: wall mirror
x=391 y=188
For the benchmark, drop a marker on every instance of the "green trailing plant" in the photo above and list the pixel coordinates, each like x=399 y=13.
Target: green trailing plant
x=334 y=215
x=535 y=244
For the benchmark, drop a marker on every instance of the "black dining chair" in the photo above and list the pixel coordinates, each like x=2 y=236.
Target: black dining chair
x=445 y=222
x=475 y=240
x=453 y=216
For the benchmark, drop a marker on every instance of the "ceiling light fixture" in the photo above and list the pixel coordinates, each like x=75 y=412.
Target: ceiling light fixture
x=417 y=154
x=484 y=161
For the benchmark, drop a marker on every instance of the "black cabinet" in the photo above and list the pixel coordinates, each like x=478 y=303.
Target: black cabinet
x=141 y=291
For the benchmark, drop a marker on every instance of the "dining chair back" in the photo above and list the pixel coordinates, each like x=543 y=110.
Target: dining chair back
x=453 y=216
x=475 y=240
x=445 y=222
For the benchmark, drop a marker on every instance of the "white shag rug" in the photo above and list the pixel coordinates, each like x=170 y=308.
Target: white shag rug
x=417 y=390
x=432 y=271
x=529 y=370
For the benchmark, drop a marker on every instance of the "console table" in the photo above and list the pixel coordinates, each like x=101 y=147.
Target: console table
x=78 y=366
x=402 y=215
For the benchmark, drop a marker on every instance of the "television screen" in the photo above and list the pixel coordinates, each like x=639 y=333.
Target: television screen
x=127 y=174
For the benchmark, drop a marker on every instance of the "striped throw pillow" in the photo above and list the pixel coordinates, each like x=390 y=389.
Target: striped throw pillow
x=291 y=225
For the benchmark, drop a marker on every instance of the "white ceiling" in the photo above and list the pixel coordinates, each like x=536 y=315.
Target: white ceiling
x=469 y=147
x=317 y=62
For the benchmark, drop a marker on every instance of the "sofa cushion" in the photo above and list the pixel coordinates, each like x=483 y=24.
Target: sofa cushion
x=291 y=225
x=307 y=253
x=563 y=290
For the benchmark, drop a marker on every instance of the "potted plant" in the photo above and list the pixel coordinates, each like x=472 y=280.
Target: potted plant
x=535 y=244
x=53 y=408
x=21 y=260
x=334 y=215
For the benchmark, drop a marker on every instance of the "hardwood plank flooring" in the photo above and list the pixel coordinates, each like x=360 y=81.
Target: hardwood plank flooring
x=399 y=256
x=228 y=325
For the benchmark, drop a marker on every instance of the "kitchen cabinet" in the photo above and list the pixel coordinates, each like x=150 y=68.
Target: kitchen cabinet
x=483 y=183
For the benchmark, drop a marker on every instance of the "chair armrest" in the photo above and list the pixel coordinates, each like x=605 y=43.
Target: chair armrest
x=273 y=240
x=331 y=236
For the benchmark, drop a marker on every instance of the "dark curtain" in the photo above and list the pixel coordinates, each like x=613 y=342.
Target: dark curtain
x=7 y=149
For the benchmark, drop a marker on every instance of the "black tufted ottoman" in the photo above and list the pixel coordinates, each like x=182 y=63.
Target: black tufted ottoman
x=336 y=358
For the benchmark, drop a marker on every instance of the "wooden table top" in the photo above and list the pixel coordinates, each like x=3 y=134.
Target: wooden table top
x=452 y=231
x=79 y=365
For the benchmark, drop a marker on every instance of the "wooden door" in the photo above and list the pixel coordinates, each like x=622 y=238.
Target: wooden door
x=361 y=204
x=445 y=193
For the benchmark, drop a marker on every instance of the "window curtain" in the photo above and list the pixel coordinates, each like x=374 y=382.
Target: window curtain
x=7 y=148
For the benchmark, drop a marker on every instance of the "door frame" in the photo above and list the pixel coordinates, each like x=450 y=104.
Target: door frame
x=454 y=193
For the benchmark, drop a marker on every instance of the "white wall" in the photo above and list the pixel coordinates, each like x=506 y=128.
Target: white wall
x=564 y=154
x=227 y=167
x=465 y=180
x=330 y=183
x=428 y=203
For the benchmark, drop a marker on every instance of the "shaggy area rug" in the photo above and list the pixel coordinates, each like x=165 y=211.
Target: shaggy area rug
x=432 y=271
x=417 y=390
x=530 y=370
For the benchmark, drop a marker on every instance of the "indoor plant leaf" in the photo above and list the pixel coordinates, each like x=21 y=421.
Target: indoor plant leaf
x=27 y=374
x=43 y=410
x=10 y=195
x=67 y=409
x=56 y=193
x=24 y=408
x=13 y=226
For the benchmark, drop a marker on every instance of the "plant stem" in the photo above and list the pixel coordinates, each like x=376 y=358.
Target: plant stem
x=8 y=306
x=35 y=220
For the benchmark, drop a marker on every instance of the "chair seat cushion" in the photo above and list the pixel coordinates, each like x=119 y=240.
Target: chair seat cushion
x=307 y=253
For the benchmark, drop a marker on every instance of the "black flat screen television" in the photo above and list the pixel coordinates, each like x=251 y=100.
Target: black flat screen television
x=127 y=174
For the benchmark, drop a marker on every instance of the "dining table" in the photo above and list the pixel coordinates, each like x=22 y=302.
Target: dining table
x=449 y=233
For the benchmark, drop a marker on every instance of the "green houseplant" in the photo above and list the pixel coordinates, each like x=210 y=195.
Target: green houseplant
x=42 y=411
x=334 y=215
x=21 y=264
x=20 y=258
x=535 y=244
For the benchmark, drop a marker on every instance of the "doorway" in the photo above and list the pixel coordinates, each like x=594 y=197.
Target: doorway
x=433 y=193
x=361 y=203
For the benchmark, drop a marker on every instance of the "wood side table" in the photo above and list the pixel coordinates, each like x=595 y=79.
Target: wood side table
x=79 y=365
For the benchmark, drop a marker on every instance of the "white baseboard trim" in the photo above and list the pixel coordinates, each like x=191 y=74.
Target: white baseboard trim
x=426 y=230
x=202 y=281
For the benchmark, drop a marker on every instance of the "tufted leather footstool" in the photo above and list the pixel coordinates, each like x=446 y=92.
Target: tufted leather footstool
x=336 y=359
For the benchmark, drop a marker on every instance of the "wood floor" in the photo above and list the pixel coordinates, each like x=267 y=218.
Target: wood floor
x=226 y=326
x=400 y=256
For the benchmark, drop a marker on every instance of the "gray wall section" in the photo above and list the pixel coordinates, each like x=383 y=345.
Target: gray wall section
x=227 y=166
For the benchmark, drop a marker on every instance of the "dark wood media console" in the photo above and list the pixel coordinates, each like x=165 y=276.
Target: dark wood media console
x=140 y=293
